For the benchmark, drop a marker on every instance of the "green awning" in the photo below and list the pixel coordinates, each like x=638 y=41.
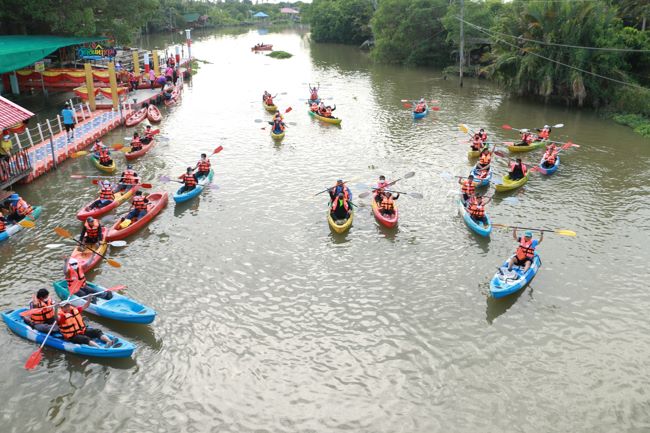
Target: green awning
x=18 y=51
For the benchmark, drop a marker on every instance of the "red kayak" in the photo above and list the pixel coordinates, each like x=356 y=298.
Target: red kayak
x=157 y=201
x=136 y=117
x=172 y=100
x=264 y=47
x=87 y=258
x=138 y=153
x=153 y=114
x=120 y=197
x=389 y=221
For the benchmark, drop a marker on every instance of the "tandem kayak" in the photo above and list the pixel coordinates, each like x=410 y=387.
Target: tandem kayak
x=136 y=117
x=475 y=226
x=534 y=145
x=119 y=307
x=153 y=114
x=509 y=185
x=120 y=349
x=180 y=197
x=482 y=181
x=340 y=226
x=506 y=282
x=105 y=168
x=270 y=108
x=388 y=221
x=552 y=169
x=88 y=259
x=120 y=197
x=421 y=114
x=138 y=153
x=157 y=202
x=12 y=229
x=332 y=120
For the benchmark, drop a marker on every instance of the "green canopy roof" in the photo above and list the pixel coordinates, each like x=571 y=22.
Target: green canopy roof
x=18 y=51
x=190 y=18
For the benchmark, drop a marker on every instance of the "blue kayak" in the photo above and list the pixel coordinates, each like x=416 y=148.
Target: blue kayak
x=552 y=169
x=120 y=349
x=421 y=115
x=119 y=307
x=484 y=181
x=506 y=282
x=180 y=197
x=475 y=226
x=12 y=229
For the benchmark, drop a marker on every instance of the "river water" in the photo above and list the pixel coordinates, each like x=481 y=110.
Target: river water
x=269 y=322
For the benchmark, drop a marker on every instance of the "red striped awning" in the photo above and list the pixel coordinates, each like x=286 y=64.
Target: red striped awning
x=11 y=114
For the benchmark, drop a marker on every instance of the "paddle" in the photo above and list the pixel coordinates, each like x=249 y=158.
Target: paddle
x=28 y=224
x=36 y=310
x=112 y=243
x=557 y=231
x=80 y=153
x=88 y=176
x=509 y=128
x=327 y=189
x=410 y=194
x=165 y=179
x=142 y=185
x=66 y=234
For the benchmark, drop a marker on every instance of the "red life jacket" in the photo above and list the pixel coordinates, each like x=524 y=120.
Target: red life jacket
x=544 y=133
x=525 y=249
x=269 y=100
x=204 y=166
x=550 y=156
x=3 y=225
x=106 y=193
x=335 y=205
x=188 y=179
x=129 y=177
x=104 y=155
x=76 y=275
x=476 y=143
x=92 y=231
x=468 y=187
x=22 y=208
x=71 y=324
x=136 y=144
x=139 y=203
x=484 y=136
x=44 y=315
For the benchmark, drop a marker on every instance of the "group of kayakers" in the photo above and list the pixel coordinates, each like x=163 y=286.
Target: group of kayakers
x=341 y=199
x=322 y=110
x=190 y=179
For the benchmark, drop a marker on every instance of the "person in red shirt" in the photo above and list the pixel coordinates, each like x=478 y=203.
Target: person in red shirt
x=74 y=330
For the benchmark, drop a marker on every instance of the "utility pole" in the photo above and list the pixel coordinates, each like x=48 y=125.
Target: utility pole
x=462 y=41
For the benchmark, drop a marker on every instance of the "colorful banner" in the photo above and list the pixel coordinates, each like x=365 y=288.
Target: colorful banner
x=96 y=51
x=82 y=91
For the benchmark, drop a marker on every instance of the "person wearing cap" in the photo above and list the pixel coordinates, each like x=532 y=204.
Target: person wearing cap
x=91 y=232
x=467 y=187
x=43 y=319
x=517 y=170
x=340 y=188
x=189 y=180
x=544 y=132
x=525 y=251
x=18 y=208
x=73 y=329
x=128 y=179
x=138 y=207
x=68 y=121
x=74 y=273
x=106 y=195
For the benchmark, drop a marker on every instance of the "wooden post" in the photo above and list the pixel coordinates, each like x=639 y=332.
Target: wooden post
x=113 y=81
x=90 y=85
x=156 y=62
x=136 y=63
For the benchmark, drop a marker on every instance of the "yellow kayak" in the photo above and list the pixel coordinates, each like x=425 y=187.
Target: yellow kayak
x=533 y=146
x=105 y=168
x=270 y=108
x=339 y=228
x=277 y=137
x=509 y=185
x=332 y=120
x=473 y=154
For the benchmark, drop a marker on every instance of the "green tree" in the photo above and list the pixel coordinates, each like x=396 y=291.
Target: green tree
x=340 y=21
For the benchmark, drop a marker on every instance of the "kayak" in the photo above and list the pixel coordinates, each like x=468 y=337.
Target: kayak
x=332 y=120
x=174 y=97
x=267 y=47
x=534 y=145
x=340 y=226
x=180 y=197
x=507 y=282
x=475 y=226
x=551 y=169
x=138 y=153
x=384 y=220
x=87 y=258
x=153 y=114
x=12 y=229
x=119 y=307
x=136 y=117
x=509 y=185
x=157 y=201
x=105 y=168
x=270 y=108
x=120 y=349
x=482 y=181
x=277 y=137
x=422 y=114
x=120 y=197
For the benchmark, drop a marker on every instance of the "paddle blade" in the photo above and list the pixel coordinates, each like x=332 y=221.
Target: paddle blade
x=95 y=181
x=409 y=175
x=116 y=288
x=415 y=195
x=501 y=226
x=559 y=125
x=78 y=176
x=126 y=149
x=164 y=179
x=499 y=153
x=508 y=128
x=538 y=169
x=217 y=150
x=146 y=185
x=51 y=246
x=566 y=233
x=509 y=143
x=213 y=186
x=364 y=194
x=117 y=146
x=118 y=243
x=113 y=263
x=463 y=128
x=155 y=132
x=407 y=105
x=34 y=359
x=288 y=110
x=435 y=108
x=567 y=145
x=511 y=200
x=62 y=232
x=80 y=153
x=27 y=224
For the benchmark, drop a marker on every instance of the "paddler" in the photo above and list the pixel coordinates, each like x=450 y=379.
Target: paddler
x=550 y=156
x=18 y=207
x=421 y=106
x=387 y=206
x=97 y=146
x=189 y=180
x=278 y=115
x=43 y=319
x=136 y=144
x=148 y=135
x=269 y=100
x=382 y=183
x=517 y=170
x=278 y=126
x=340 y=187
x=203 y=166
x=477 y=142
x=340 y=207
x=105 y=157
x=138 y=207
x=467 y=187
x=106 y=195
x=128 y=179
x=74 y=330
x=526 y=138
x=484 y=160
x=265 y=96
x=74 y=272
x=483 y=134
x=313 y=93
x=91 y=232
x=3 y=223
x=544 y=132
x=476 y=208
x=525 y=251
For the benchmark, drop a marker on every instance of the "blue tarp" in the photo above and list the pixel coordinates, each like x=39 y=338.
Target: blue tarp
x=261 y=15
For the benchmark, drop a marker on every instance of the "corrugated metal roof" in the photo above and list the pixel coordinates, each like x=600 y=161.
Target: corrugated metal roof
x=11 y=113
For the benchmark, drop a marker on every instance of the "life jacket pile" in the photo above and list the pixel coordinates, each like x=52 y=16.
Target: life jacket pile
x=204 y=166
x=92 y=230
x=525 y=249
x=71 y=324
x=46 y=314
x=106 y=193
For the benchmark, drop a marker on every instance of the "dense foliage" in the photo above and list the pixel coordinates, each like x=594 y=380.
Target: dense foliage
x=340 y=21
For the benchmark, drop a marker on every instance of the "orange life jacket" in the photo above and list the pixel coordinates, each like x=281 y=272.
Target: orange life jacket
x=525 y=249
x=136 y=144
x=92 y=231
x=71 y=324
x=106 y=193
x=468 y=187
x=335 y=205
x=550 y=156
x=477 y=143
x=139 y=203
x=104 y=155
x=278 y=126
x=45 y=314
x=544 y=133
x=129 y=177
x=3 y=226
x=188 y=179
x=76 y=275
x=485 y=159
x=387 y=203
x=22 y=208
x=204 y=166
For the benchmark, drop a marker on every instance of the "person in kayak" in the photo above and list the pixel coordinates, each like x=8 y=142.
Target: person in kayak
x=106 y=195
x=3 y=223
x=313 y=92
x=517 y=170
x=91 y=232
x=484 y=160
x=97 y=146
x=105 y=157
x=467 y=187
x=128 y=179
x=278 y=126
x=18 y=208
x=74 y=272
x=138 y=207
x=148 y=135
x=43 y=319
x=382 y=183
x=278 y=115
x=476 y=208
x=550 y=156
x=525 y=251
x=421 y=106
x=203 y=166
x=136 y=144
x=340 y=207
x=483 y=134
x=269 y=99
x=189 y=180
x=340 y=187
x=314 y=107
x=387 y=205
x=73 y=329
x=526 y=138
x=477 y=142
x=265 y=96
x=543 y=133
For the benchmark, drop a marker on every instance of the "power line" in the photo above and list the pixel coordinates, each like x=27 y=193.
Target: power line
x=519 y=38
x=625 y=83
